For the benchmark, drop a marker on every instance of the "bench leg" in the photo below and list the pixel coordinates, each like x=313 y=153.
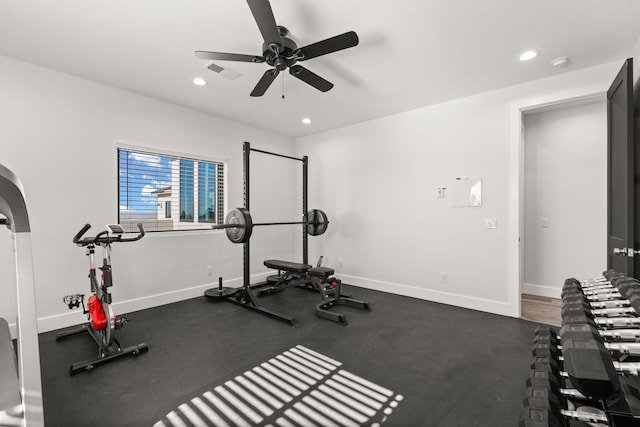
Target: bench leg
x=322 y=309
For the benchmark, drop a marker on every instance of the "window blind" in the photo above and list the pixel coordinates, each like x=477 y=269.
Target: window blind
x=168 y=192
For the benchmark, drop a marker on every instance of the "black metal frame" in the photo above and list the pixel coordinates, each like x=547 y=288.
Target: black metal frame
x=245 y=296
x=109 y=348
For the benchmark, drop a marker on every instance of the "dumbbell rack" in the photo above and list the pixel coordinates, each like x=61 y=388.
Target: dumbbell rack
x=587 y=372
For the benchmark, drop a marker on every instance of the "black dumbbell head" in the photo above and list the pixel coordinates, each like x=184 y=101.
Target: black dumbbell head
x=575 y=298
x=578 y=319
x=576 y=309
x=573 y=331
x=590 y=367
x=540 y=417
x=635 y=303
x=571 y=281
x=542 y=398
x=550 y=340
x=570 y=290
x=544 y=378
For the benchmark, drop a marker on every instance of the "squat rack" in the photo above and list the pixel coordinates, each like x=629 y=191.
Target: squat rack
x=245 y=296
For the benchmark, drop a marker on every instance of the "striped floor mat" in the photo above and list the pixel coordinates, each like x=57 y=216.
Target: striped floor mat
x=299 y=387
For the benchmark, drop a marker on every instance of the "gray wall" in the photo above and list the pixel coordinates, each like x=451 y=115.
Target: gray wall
x=59 y=133
x=565 y=196
x=377 y=181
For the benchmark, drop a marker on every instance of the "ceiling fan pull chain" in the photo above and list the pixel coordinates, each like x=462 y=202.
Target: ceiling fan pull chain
x=282 y=85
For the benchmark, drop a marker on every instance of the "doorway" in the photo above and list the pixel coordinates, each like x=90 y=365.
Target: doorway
x=520 y=113
x=565 y=195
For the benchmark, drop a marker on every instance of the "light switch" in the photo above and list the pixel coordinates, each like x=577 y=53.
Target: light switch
x=491 y=223
x=544 y=222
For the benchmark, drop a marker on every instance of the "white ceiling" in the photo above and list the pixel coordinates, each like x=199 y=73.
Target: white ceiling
x=412 y=53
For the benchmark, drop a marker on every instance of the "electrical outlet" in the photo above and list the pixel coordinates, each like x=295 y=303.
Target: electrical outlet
x=209 y=271
x=443 y=277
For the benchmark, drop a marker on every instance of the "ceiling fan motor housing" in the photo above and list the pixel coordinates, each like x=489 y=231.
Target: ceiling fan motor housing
x=281 y=56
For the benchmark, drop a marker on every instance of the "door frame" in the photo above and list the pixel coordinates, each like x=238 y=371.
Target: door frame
x=515 y=226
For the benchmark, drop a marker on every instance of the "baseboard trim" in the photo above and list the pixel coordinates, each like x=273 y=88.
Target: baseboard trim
x=480 y=304
x=75 y=317
x=71 y=318
x=541 y=291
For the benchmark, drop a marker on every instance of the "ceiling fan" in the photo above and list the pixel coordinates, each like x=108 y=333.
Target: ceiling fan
x=280 y=52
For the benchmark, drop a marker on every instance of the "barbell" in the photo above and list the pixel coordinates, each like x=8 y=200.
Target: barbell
x=239 y=224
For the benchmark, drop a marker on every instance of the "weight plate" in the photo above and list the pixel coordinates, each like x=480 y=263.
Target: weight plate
x=317 y=222
x=244 y=225
x=217 y=293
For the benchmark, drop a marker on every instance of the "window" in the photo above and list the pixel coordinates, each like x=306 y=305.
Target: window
x=186 y=190
x=206 y=192
x=168 y=192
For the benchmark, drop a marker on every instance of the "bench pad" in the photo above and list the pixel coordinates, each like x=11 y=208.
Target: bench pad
x=323 y=272
x=292 y=267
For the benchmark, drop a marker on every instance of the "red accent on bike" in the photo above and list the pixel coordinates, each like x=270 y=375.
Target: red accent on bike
x=96 y=314
x=334 y=284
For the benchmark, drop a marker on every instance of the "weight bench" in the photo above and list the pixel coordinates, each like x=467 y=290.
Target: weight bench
x=316 y=278
x=289 y=274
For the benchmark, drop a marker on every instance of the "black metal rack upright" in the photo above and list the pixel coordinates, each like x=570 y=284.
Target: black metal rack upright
x=245 y=297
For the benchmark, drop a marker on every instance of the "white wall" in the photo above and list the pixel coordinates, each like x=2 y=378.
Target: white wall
x=565 y=196
x=58 y=133
x=377 y=182
x=636 y=60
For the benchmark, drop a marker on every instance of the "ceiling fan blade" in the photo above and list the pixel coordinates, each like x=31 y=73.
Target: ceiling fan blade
x=333 y=44
x=224 y=72
x=262 y=13
x=310 y=78
x=221 y=56
x=267 y=78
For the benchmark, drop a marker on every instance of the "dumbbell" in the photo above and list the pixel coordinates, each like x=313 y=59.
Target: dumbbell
x=548 y=365
x=588 y=331
x=595 y=288
x=602 y=293
x=545 y=402
x=594 y=303
x=601 y=322
x=589 y=367
x=576 y=323
x=583 y=359
x=603 y=290
x=577 y=303
x=598 y=382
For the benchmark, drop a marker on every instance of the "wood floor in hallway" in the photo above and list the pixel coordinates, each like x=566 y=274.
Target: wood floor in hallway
x=541 y=309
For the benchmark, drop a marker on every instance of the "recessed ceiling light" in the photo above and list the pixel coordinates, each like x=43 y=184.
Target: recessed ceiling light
x=306 y=120
x=528 y=55
x=198 y=81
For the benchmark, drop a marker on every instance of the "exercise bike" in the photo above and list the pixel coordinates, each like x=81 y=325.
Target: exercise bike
x=102 y=321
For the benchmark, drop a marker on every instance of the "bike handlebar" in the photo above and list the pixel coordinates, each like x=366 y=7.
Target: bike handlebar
x=80 y=233
x=100 y=238
x=140 y=235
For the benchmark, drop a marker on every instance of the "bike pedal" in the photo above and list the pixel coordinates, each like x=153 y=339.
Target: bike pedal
x=120 y=321
x=73 y=301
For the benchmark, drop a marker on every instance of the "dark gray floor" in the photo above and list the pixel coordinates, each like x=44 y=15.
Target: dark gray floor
x=454 y=367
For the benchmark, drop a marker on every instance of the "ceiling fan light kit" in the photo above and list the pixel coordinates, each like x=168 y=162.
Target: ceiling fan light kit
x=281 y=52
